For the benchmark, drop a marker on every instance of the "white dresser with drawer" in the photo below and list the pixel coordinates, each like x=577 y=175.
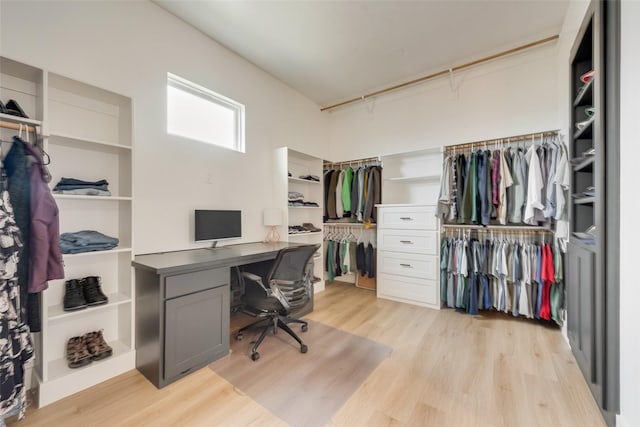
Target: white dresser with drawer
x=408 y=262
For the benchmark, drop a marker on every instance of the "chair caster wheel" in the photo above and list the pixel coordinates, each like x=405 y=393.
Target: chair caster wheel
x=239 y=337
x=255 y=356
x=304 y=328
x=303 y=348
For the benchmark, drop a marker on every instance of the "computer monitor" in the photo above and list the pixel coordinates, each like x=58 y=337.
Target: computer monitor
x=215 y=225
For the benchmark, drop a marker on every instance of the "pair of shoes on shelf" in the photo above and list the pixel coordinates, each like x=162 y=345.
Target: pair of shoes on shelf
x=82 y=293
x=84 y=349
x=12 y=108
x=310 y=178
x=310 y=227
x=297 y=229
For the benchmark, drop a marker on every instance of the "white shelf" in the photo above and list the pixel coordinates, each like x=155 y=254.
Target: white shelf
x=16 y=119
x=413 y=178
x=59 y=368
x=109 y=252
x=78 y=141
x=303 y=181
x=82 y=197
x=313 y=233
x=304 y=207
x=57 y=312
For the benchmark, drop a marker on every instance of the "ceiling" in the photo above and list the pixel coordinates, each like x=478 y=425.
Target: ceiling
x=332 y=50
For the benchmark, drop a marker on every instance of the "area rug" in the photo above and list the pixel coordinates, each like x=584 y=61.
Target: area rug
x=302 y=389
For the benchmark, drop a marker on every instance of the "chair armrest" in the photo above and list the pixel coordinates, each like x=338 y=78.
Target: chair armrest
x=255 y=278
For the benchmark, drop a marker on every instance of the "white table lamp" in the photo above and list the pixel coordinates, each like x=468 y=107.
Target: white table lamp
x=272 y=218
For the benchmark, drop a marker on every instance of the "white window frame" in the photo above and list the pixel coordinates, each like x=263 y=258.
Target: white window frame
x=195 y=89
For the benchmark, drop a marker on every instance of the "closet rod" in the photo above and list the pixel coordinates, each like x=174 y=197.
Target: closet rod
x=443 y=72
x=351 y=162
x=15 y=126
x=501 y=228
x=498 y=140
x=345 y=224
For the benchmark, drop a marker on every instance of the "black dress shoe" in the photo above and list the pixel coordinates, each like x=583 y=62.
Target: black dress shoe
x=14 y=109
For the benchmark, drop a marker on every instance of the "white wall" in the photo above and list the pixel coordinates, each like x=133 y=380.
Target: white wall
x=128 y=47
x=629 y=208
x=510 y=96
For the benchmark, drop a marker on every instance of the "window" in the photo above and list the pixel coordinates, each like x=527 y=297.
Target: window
x=198 y=113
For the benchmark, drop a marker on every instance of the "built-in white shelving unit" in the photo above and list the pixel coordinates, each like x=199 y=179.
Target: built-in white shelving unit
x=299 y=164
x=87 y=133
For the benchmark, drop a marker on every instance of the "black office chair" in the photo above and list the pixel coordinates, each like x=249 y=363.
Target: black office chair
x=289 y=290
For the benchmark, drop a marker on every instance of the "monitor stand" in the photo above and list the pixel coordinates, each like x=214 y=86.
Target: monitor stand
x=214 y=246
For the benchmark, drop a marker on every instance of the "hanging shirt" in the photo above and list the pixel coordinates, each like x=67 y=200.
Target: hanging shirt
x=562 y=182
x=505 y=182
x=550 y=200
x=517 y=189
x=446 y=187
x=523 y=304
x=346 y=190
x=444 y=263
x=473 y=177
x=338 y=194
x=354 y=194
x=534 y=186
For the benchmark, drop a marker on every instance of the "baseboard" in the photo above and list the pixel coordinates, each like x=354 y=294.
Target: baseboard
x=621 y=421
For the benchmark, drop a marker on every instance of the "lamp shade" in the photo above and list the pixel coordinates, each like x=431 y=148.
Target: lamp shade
x=272 y=217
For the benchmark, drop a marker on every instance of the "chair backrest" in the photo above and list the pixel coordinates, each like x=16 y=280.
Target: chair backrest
x=288 y=276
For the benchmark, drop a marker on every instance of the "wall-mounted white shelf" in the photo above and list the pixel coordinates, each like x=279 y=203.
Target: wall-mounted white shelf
x=305 y=207
x=16 y=119
x=303 y=181
x=77 y=141
x=57 y=312
x=414 y=178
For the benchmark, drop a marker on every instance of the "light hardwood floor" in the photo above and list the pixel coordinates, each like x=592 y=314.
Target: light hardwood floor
x=446 y=369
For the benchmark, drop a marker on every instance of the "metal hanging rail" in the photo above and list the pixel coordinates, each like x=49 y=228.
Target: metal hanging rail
x=444 y=72
x=376 y=159
x=506 y=140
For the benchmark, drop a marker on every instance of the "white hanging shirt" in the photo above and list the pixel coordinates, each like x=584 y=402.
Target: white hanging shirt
x=534 y=186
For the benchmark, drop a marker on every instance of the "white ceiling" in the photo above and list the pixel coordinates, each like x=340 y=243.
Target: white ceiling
x=334 y=50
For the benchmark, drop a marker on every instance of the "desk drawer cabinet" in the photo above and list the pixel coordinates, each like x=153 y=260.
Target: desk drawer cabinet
x=408 y=254
x=182 y=322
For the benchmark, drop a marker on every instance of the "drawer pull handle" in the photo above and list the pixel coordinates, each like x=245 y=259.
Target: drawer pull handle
x=408 y=242
x=406 y=265
x=406 y=218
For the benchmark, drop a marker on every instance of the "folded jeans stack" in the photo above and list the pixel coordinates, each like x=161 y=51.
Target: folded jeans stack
x=80 y=187
x=86 y=241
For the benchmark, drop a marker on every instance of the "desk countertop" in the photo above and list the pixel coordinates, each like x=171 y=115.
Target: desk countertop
x=195 y=259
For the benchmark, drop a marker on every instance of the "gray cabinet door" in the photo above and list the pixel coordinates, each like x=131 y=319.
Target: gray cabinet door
x=585 y=321
x=196 y=331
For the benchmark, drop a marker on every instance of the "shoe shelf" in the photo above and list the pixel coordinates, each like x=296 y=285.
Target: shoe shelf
x=56 y=312
x=58 y=368
x=305 y=207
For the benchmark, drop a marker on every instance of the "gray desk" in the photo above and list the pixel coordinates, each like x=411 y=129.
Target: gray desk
x=182 y=307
